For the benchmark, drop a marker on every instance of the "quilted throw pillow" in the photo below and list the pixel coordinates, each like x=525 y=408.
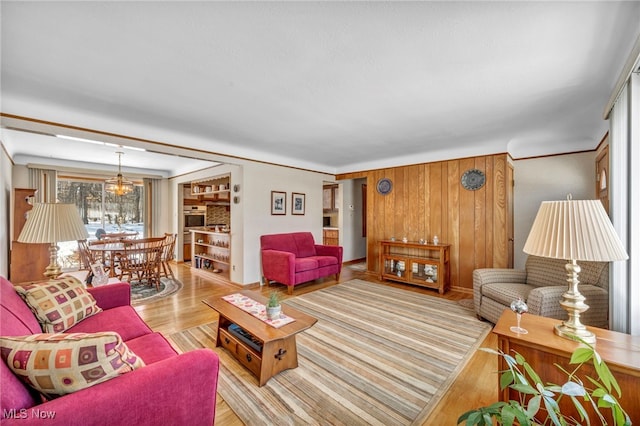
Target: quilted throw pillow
x=58 y=364
x=59 y=304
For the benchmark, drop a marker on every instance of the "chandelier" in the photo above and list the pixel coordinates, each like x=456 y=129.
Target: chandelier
x=118 y=185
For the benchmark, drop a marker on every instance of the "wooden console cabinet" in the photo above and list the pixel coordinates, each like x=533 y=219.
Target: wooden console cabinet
x=28 y=261
x=543 y=349
x=426 y=265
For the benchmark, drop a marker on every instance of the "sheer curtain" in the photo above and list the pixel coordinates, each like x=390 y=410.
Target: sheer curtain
x=151 y=207
x=46 y=182
x=624 y=152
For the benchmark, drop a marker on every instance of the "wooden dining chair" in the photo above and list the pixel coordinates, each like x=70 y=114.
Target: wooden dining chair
x=140 y=260
x=168 y=249
x=88 y=258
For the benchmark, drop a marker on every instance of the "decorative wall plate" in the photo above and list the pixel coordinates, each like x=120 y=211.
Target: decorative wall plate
x=384 y=186
x=472 y=179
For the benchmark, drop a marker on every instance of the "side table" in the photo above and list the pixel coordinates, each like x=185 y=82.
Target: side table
x=542 y=349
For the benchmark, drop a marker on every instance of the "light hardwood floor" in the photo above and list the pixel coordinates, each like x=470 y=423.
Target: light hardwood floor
x=475 y=386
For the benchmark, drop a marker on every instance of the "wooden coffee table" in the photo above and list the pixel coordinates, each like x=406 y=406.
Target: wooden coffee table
x=279 y=350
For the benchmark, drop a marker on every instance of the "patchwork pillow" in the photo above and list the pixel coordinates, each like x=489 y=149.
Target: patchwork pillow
x=59 y=364
x=59 y=304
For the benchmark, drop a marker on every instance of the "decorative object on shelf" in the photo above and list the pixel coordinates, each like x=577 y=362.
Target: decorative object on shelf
x=405 y=240
x=278 y=203
x=574 y=230
x=473 y=179
x=118 y=185
x=384 y=186
x=274 y=308
x=435 y=240
x=519 y=307
x=53 y=223
x=297 y=203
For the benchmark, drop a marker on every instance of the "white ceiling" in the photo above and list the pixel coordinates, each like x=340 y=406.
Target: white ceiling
x=328 y=86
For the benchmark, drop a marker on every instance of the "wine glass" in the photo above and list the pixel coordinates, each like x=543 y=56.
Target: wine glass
x=519 y=307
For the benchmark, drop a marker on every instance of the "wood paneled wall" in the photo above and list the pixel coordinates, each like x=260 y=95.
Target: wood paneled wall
x=428 y=199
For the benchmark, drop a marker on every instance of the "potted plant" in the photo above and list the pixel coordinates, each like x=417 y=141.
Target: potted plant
x=274 y=308
x=538 y=402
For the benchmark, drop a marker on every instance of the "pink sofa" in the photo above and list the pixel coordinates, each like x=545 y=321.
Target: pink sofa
x=170 y=389
x=295 y=258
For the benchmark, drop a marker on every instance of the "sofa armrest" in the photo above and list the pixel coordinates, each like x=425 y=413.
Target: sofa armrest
x=279 y=266
x=485 y=276
x=112 y=295
x=176 y=390
x=336 y=251
x=545 y=301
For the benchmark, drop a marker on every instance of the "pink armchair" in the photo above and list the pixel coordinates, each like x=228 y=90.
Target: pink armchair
x=295 y=258
x=170 y=389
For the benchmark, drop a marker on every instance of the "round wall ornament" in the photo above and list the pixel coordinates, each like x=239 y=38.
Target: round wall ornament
x=473 y=179
x=384 y=186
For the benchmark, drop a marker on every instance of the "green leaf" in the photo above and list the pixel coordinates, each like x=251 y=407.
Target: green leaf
x=573 y=389
x=508 y=416
x=522 y=388
x=581 y=355
x=580 y=409
x=506 y=379
x=530 y=371
x=552 y=409
x=520 y=359
x=534 y=406
x=491 y=351
x=511 y=362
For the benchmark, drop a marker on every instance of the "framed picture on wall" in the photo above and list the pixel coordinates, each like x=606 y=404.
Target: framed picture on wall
x=297 y=203
x=278 y=202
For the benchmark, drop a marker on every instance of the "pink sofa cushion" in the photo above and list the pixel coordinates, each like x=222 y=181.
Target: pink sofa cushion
x=306 y=264
x=326 y=261
x=305 y=243
x=59 y=303
x=299 y=243
x=123 y=320
x=57 y=364
x=151 y=348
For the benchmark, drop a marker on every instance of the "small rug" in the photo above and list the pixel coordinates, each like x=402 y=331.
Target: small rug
x=378 y=355
x=142 y=293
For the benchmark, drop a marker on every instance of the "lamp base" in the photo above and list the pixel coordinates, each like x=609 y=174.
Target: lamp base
x=53 y=270
x=573 y=302
x=571 y=333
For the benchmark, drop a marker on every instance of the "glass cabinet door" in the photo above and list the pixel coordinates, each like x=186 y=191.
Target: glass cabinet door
x=395 y=266
x=424 y=272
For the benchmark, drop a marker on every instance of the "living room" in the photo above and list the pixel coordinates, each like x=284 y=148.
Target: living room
x=549 y=158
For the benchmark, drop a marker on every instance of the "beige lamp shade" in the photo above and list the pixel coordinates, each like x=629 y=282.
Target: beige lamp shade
x=574 y=230
x=53 y=223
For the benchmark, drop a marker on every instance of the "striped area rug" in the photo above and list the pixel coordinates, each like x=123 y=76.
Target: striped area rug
x=378 y=355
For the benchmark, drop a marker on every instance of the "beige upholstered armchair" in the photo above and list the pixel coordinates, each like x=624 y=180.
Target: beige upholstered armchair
x=541 y=285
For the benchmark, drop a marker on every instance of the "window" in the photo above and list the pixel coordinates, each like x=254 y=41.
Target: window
x=99 y=210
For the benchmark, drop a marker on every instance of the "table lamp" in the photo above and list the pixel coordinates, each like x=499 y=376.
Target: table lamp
x=574 y=230
x=52 y=223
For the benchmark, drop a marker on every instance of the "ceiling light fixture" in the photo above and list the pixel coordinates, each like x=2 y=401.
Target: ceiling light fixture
x=118 y=185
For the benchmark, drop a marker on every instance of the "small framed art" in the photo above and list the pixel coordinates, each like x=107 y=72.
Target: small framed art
x=297 y=203
x=278 y=202
x=100 y=277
